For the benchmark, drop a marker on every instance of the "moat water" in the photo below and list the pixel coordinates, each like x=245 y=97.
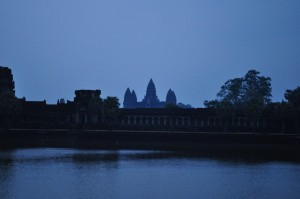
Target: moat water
x=77 y=174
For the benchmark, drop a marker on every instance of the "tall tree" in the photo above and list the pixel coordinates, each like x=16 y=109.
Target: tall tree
x=256 y=89
x=256 y=92
x=293 y=97
x=110 y=109
x=249 y=91
x=231 y=92
x=293 y=100
x=10 y=107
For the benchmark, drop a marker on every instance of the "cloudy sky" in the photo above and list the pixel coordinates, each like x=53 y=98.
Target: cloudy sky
x=192 y=46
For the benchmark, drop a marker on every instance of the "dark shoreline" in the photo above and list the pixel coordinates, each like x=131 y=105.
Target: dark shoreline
x=127 y=139
x=238 y=146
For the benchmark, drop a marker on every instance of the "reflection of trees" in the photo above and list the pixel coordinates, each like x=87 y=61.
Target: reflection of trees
x=95 y=172
x=151 y=155
x=6 y=163
x=250 y=156
x=95 y=157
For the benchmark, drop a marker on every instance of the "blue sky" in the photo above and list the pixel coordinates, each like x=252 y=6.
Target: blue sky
x=191 y=46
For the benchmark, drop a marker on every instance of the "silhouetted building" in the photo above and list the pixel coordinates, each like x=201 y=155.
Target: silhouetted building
x=86 y=112
x=83 y=97
x=171 y=97
x=7 y=84
x=87 y=104
x=150 y=100
x=130 y=99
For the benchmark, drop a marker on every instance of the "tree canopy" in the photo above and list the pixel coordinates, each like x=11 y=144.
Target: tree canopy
x=293 y=97
x=110 y=108
x=9 y=104
x=10 y=107
x=250 y=91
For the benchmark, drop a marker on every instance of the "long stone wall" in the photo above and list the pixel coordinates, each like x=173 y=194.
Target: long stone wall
x=136 y=120
x=200 y=123
x=37 y=115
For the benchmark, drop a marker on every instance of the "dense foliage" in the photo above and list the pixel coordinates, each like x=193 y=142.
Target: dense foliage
x=293 y=97
x=252 y=95
x=10 y=108
x=250 y=91
x=110 y=109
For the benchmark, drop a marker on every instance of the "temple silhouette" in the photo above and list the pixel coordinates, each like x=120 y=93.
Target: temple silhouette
x=150 y=100
x=87 y=111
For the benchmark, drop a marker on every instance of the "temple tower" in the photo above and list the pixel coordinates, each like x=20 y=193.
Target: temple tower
x=127 y=99
x=130 y=99
x=133 y=98
x=151 y=100
x=171 y=97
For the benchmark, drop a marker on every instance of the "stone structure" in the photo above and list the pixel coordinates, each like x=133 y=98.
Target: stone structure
x=171 y=97
x=150 y=100
x=83 y=97
x=87 y=104
x=86 y=112
x=7 y=84
x=130 y=99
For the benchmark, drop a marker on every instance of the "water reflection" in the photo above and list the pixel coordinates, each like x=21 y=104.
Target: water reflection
x=6 y=164
x=246 y=157
x=71 y=173
x=31 y=156
x=87 y=158
x=95 y=171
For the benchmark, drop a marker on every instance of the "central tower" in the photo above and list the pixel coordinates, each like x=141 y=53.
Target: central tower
x=151 y=100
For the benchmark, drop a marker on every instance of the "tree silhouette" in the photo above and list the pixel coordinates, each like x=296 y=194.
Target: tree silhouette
x=293 y=100
x=110 y=107
x=10 y=108
x=293 y=97
x=252 y=93
x=231 y=92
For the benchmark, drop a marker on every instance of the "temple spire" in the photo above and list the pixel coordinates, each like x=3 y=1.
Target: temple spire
x=133 y=97
x=150 y=99
x=127 y=99
x=171 y=97
x=151 y=90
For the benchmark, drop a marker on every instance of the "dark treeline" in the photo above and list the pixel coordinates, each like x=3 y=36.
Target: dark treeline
x=252 y=95
x=242 y=105
x=17 y=113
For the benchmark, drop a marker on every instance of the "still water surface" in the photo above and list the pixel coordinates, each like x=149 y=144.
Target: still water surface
x=72 y=174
